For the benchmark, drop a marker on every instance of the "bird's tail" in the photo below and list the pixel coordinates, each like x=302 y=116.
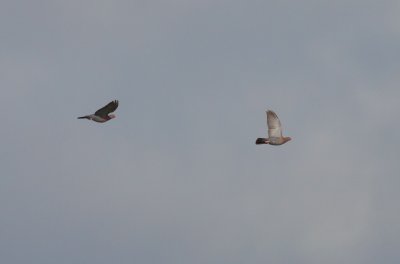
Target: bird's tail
x=261 y=141
x=84 y=117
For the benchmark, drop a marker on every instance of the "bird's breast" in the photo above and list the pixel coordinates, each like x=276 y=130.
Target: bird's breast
x=98 y=119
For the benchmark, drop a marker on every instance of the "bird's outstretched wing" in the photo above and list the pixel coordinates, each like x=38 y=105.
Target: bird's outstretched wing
x=109 y=108
x=274 y=125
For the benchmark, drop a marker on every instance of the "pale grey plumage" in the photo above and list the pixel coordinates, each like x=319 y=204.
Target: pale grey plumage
x=274 y=131
x=103 y=114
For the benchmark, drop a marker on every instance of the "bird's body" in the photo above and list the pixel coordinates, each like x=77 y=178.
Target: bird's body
x=274 y=131
x=103 y=114
x=95 y=118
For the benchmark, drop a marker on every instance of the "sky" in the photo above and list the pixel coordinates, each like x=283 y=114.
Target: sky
x=176 y=177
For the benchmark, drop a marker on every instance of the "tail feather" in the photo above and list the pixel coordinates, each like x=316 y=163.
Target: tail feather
x=261 y=141
x=84 y=117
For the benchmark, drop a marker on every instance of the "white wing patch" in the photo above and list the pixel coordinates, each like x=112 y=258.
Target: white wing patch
x=274 y=125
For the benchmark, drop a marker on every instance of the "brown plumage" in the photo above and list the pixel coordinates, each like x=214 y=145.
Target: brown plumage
x=274 y=131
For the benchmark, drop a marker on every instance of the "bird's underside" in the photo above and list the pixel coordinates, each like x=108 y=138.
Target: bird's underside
x=274 y=131
x=94 y=118
x=103 y=114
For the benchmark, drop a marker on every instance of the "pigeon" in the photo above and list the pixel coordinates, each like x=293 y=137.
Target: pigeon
x=103 y=114
x=274 y=131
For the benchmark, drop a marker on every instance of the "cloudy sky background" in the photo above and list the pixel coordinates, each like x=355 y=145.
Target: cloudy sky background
x=176 y=177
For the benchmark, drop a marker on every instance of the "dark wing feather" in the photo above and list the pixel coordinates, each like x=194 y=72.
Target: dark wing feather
x=109 y=108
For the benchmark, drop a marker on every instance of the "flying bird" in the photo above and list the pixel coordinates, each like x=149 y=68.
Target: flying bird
x=103 y=114
x=274 y=131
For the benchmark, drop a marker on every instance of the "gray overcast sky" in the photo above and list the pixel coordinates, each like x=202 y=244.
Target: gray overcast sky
x=176 y=177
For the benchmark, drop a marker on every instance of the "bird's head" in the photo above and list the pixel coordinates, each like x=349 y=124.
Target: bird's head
x=111 y=116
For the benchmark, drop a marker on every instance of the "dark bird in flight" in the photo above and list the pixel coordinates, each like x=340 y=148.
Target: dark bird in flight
x=103 y=114
x=274 y=131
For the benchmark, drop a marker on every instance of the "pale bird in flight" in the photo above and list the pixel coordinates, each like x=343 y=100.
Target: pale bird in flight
x=103 y=114
x=274 y=131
